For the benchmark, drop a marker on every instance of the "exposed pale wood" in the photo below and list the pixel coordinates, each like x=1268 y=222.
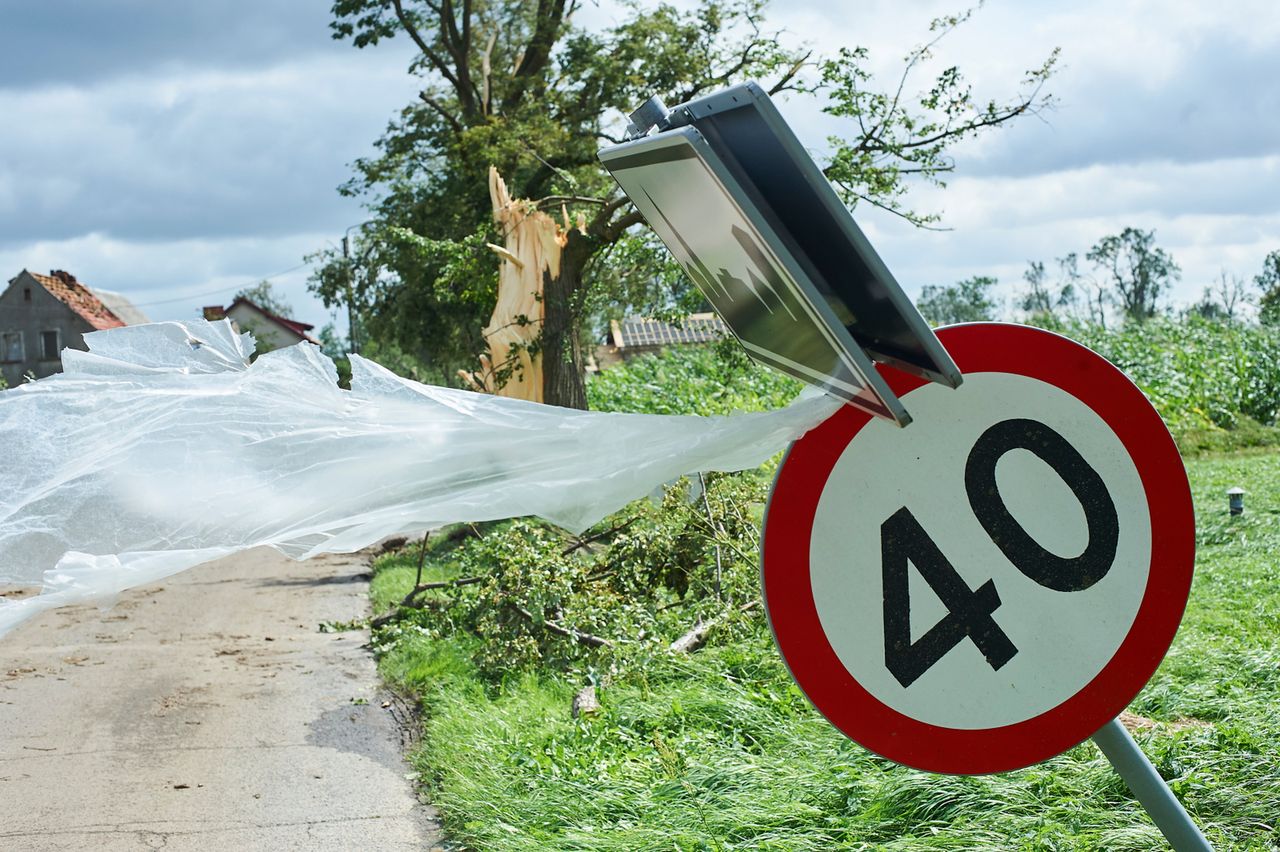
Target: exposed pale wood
x=696 y=637
x=533 y=243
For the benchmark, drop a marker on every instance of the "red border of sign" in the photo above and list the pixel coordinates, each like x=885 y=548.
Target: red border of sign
x=788 y=591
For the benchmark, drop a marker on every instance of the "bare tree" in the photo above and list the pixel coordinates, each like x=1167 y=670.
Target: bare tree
x=1137 y=270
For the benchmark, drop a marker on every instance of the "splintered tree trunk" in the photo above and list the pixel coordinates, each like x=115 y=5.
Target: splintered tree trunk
x=533 y=351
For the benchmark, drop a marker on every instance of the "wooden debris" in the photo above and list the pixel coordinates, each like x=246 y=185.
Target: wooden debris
x=533 y=242
x=696 y=637
x=585 y=702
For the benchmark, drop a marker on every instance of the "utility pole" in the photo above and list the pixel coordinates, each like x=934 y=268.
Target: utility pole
x=353 y=340
x=352 y=344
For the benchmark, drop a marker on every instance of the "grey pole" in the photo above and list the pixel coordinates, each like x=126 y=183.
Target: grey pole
x=1149 y=789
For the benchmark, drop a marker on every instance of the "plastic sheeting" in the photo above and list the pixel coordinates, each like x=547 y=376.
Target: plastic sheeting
x=163 y=447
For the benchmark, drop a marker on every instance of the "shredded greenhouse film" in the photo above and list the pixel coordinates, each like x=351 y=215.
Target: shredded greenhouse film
x=164 y=447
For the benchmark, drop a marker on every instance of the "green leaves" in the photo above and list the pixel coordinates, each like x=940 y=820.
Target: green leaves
x=1200 y=375
x=1268 y=282
x=519 y=86
x=969 y=300
x=896 y=134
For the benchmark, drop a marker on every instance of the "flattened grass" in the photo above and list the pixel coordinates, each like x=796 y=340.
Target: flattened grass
x=719 y=751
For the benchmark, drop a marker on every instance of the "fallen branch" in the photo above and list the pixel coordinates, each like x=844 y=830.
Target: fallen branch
x=410 y=601
x=696 y=637
x=586 y=541
x=567 y=632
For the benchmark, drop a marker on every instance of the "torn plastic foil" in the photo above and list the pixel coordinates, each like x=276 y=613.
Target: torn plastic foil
x=163 y=447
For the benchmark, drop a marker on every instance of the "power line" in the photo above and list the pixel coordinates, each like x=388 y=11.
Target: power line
x=220 y=289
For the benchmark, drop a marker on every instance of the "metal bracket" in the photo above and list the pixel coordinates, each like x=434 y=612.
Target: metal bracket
x=652 y=113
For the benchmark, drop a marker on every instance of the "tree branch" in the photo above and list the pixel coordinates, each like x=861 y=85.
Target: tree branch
x=696 y=637
x=618 y=227
x=567 y=632
x=430 y=54
x=781 y=85
x=918 y=221
x=444 y=113
x=411 y=601
x=536 y=55
x=588 y=540
x=459 y=46
x=553 y=200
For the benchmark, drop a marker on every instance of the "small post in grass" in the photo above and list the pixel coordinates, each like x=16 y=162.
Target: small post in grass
x=1235 y=500
x=1150 y=789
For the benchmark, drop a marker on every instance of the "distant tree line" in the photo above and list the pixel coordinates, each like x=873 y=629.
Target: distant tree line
x=1130 y=278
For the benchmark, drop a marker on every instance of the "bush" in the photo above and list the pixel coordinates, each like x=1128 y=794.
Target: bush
x=537 y=598
x=705 y=380
x=1199 y=374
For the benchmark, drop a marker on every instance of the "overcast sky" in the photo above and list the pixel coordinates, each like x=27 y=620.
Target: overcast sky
x=178 y=151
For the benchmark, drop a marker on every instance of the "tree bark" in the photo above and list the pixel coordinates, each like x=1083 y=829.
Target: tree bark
x=562 y=361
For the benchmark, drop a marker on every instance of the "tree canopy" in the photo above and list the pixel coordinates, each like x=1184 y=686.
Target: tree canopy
x=518 y=85
x=969 y=300
x=1268 y=283
x=264 y=295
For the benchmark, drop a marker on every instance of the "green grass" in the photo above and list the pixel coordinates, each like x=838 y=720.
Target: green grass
x=719 y=750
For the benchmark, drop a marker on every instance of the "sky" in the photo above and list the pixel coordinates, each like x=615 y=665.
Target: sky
x=176 y=152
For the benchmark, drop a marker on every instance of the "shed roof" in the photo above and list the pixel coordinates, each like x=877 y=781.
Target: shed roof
x=642 y=331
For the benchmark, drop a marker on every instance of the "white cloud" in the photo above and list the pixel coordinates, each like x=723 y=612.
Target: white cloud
x=174 y=279
x=1168 y=120
x=177 y=158
x=197 y=154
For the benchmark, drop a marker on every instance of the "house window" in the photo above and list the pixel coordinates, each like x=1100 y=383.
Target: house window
x=11 y=345
x=50 y=345
x=26 y=294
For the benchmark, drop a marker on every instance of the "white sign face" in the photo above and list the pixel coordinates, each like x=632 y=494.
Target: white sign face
x=993 y=584
x=1062 y=638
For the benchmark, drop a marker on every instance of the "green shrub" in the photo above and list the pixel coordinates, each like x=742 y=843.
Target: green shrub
x=717 y=379
x=1201 y=375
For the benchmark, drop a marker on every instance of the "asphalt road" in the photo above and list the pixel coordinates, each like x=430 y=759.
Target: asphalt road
x=206 y=713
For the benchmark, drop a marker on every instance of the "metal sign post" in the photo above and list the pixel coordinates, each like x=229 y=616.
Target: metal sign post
x=1150 y=789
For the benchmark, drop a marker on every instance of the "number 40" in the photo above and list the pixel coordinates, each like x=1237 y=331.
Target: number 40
x=903 y=540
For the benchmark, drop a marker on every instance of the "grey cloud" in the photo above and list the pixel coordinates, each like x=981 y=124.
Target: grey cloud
x=86 y=40
x=1220 y=104
x=198 y=154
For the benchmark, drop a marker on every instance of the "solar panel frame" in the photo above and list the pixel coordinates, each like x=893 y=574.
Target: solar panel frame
x=844 y=370
x=755 y=144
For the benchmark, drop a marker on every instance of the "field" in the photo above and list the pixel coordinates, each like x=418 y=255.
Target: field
x=718 y=750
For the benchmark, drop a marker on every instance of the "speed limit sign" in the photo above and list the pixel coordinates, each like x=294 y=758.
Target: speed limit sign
x=991 y=585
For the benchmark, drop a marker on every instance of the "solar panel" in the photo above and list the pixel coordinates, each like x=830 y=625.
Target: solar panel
x=780 y=240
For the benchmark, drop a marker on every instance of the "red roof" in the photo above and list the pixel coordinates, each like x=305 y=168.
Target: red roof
x=64 y=287
x=298 y=328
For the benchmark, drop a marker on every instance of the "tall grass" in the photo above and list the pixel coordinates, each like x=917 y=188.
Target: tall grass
x=719 y=750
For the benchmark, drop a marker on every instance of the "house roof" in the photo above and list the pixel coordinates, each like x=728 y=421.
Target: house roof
x=64 y=287
x=121 y=307
x=298 y=328
x=642 y=331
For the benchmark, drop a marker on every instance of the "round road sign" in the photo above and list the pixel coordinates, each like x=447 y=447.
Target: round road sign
x=989 y=586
